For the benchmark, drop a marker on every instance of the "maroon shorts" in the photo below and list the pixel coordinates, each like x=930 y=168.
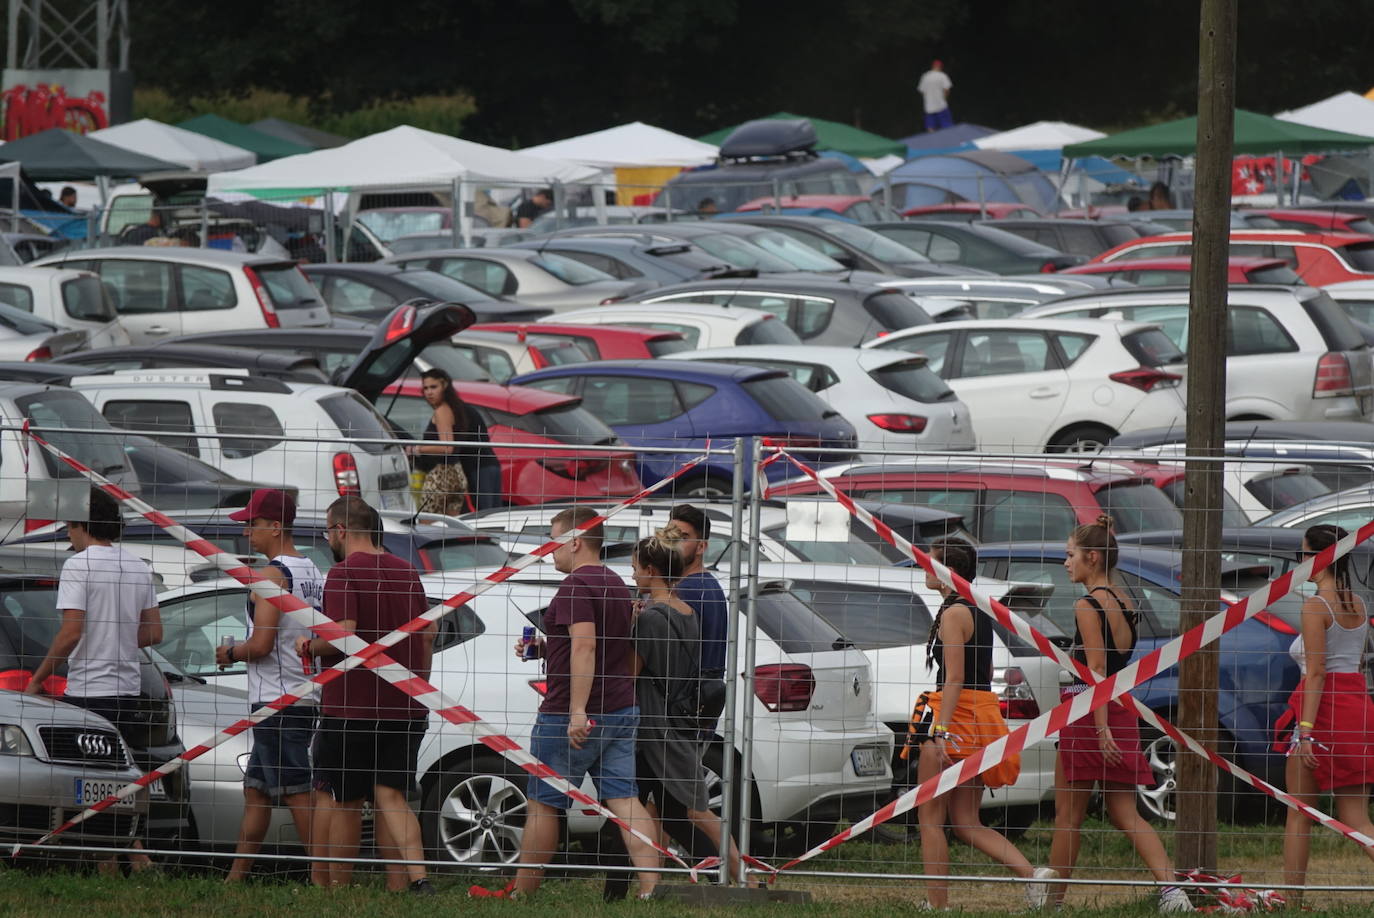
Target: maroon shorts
x=1081 y=756
x=1343 y=731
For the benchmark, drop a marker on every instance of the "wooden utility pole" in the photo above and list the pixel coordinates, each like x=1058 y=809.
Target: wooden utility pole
x=1196 y=802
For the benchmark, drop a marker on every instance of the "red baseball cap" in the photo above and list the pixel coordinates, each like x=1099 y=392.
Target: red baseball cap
x=268 y=504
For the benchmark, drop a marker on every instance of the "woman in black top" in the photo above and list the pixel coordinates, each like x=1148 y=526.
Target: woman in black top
x=455 y=420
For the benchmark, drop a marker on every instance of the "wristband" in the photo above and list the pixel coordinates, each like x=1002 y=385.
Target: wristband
x=1306 y=723
x=937 y=730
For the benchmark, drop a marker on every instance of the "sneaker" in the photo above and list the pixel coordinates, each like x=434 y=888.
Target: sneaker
x=1038 y=891
x=422 y=887
x=1172 y=899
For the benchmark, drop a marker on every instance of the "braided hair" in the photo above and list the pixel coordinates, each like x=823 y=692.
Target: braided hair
x=1323 y=536
x=960 y=557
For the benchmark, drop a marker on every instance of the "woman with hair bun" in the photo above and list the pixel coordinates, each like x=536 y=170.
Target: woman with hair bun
x=1332 y=717
x=1104 y=748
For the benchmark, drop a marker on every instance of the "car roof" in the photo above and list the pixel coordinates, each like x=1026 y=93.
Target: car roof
x=496 y=253
x=780 y=219
x=165 y=253
x=765 y=282
x=679 y=369
x=24 y=273
x=1043 y=323
x=1028 y=467
x=354 y=267
x=1176 y=262
x=1322 y=237
x=512 y=399
x=811 y=353
x=685 y=308
x=1264 y=292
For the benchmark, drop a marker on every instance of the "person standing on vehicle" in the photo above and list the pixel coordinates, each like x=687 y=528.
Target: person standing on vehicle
x=455 y=420
x=588 y=719
x=529 y=210
x=278 y=768
x=1105 y=748
x=956 y=721
x=701 y=590
x=109 y=611
x=934 y=88
x=370 y=732
x=1332 y=717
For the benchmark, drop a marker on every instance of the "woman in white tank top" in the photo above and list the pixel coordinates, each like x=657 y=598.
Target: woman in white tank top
x=1331 y=746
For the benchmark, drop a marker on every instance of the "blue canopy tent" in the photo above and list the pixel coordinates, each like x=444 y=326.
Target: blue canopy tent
x=973 y=175
x=956 y=137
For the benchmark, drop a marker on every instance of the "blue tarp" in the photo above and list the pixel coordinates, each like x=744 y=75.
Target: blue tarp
x=970 y=176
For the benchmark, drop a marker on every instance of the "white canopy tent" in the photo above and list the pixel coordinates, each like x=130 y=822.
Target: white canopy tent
x=177 y=145
x=1041 y=135
x=628 y=146
x=1345 y=111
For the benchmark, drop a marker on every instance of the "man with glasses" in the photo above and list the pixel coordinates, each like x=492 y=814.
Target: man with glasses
x=701 y=590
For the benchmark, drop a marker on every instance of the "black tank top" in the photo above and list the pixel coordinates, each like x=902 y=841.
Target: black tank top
x=977 y=650
x=1116 y=659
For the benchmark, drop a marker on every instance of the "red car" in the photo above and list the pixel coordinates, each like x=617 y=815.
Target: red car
x=855 y=207
x=519 y=414
x=1318 y=258
x=969 y=211
x=1175 y=269
x=1013 y=500
x=1313 y=220
x=601 y=342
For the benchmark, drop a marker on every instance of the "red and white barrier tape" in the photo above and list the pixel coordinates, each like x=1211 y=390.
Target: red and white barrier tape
x=1103 y=691
x=358 y=653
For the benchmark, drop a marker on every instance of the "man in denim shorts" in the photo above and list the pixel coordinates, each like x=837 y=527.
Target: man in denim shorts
x=587 y=723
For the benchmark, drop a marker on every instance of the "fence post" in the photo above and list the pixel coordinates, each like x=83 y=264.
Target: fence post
x=329 y=255
x=982 y=201
x=887 y=194
x=560 y=198
x=777 y=193
x=92 y=222
x=729 y=773
x=457 y=234
x=746 y=770
x=204 y=223
x=599 y=202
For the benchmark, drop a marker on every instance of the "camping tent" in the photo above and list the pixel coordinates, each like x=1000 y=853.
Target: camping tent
x=1345 y=111
x=265 y=146
x=298 y=133
x=186 y=148
x=945 y=140
x=831 y=135
x=403 y=157
x=1042 y=135
x=1254 y=133
x=974 y=175
x=633 y=144
x=57 y=154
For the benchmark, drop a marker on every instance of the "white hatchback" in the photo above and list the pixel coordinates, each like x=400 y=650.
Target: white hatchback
x=67 y=299
x=701 y=324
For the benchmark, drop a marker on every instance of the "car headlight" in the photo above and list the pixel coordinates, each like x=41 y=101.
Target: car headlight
x=13 y=741
x=243 y=761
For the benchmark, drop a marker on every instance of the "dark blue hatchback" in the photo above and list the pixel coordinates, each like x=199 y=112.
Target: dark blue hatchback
x=682 y=405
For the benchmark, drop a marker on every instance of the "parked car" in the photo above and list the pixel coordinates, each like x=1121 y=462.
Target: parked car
x=1173 y=270
x=853 y=246
x=683 y=405
x=504 y=354
x=1349 y=509
x=161 y=292
x=856 y=207
x=977 y=246
x=536 y=278
x=173 y=481
x=714 y=237
x=635 y=258
x=599 y=342
x=1276 y=337
x=1053 y=384
x=368 y=292
x=982 y=297
x=893 y=399
x=1318 y=258
x=1309 y=220
x=700 y=324
x=616 y=215
x=66 y=298
x=1075 y=237
x=374 y=229
x=820 y=311
x=968 y=211
x=24 y=337
x=1355 y=297
x=268 y=364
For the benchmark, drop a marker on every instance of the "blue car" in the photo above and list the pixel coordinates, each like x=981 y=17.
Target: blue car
x=1256 y=673
x=682 y=405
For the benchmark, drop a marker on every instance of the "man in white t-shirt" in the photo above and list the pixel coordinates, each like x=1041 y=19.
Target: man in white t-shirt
x=934 y=89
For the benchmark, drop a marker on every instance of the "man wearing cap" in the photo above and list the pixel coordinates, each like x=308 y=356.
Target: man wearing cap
x=278 y=769
x=934 y=89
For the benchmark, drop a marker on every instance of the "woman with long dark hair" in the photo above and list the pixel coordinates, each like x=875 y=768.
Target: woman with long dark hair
x=454 y=420
x=1331 y=746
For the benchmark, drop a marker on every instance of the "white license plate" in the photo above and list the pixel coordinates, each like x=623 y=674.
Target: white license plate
x=395 y=500
x=89 y=793
x=869 y=761
x=156 y=791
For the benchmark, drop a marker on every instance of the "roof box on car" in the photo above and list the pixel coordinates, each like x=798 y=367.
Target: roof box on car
x=769 y=137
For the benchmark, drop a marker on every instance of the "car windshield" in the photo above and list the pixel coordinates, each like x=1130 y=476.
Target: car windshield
x=443 y=287
x=871 y=243
x=794 y=626
x=1360 y=255
x=1285 y=489
x=853 y=550
x=1139 y=508
x=659 y=347
x=359 y=421
x=52 y=412
x=29 y=619
x=568 y=270
x=742 y=253
x=149 y=457
x=913 y=379
x=870 y=617
x=456 y=554
x=800 y=257
x=387 y=225
x=785 y=399
x=1278 y=274
x=567 y=423
x=86 y=298
x=287 y=286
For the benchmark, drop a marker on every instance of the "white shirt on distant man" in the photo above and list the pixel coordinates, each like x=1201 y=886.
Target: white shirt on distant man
x=934 y=88
x=113 y=588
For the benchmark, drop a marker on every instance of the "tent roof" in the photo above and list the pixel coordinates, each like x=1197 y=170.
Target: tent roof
x=298 y=133
x=1041 y=135
x=1254 y=133
x=633 y=144
x=401 y=157
x=831 y=135
x=265 y=146
x=178 y=145
x=947 y=138
x=57 y=154
x=1345 y=111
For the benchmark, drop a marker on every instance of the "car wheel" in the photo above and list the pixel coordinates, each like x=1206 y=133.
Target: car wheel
x=1156 y=802
x=705 y=487
x=476 y=815
x=1083 y=438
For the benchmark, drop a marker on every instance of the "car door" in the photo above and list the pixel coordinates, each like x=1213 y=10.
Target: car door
x=1012 y=383
x=144 y=295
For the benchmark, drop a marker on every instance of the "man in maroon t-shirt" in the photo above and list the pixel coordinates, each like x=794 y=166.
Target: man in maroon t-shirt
x=370 y=731
x=587 y=723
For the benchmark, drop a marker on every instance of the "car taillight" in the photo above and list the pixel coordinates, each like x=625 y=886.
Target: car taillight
x=1333 y=377
x=540 y=685
x=1147 y=379
x=784 y=686
x=1273 y=621
x=269 y=311
x=575 y=468
x=1049 y=267
x=346 y=475
x=42 y=353
x=1016 y=699
x=788 y=441
x=16 y=680
x=30 y=524
x=899 y=423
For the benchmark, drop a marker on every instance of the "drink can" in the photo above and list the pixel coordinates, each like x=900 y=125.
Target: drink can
x=531 y=649
x=307 y=664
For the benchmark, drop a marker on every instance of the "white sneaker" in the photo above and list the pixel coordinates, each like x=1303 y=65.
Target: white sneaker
x=1173 y=899
x=1038 y=892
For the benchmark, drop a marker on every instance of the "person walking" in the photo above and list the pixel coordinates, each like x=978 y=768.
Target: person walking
x=934 y=87
x=956 y=721
x=587 y=722
x=278 y=770
x=370 y=732
x=451 y=472
x=1329 y=748
x=1103 y=749
x=109 y=612
x=701 y=590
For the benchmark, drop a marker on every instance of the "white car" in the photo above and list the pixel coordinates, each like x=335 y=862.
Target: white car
x=25 y=337
x=1349 y=509
x=893 y=399
x=505 y=354
x=66 y=298
x=1292 y=352
x=1355 y=297
x=1053 y=384
x=701 y=324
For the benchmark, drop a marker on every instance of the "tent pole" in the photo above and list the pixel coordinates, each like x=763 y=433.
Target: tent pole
x=329 y=256
x=456 y=221
x=463 y=216
x=599 y=201
x=982 y=200
x=1278 y=179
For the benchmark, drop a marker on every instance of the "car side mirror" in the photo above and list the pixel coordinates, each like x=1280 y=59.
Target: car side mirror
x=849 y=261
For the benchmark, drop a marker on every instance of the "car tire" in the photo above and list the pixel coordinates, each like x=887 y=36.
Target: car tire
x=705 y=487
x=1081 y=438
x=474 y=814
x=1236 y=801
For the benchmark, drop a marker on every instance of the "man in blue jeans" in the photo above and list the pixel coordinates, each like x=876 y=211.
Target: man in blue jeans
x=587 y=722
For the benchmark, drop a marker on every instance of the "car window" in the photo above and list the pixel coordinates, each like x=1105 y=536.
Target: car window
x=1360 y=256
x=1050 y=572
x=488 y=276
x=137 y=287
x=1279 y=274
x=568 y=271
x=167 y=415
x=785 y=399
x=741 y=252
x=814 y=376
x=895 y=311
x=1139 y=508
x=768 y=330
x=870 y=617
x=853 y=550
x=24 y=323
x=58 y=409
x=1159 y=607
x=287 y=287
x=86 y=298
x=815 y=241
x=1336 y=329
x=194 y=626
x=794 y=626
x=631 y=400
x=235 y=419
x=1018 y=516
x=1278 y=490
x=447 y=289
x=1002 y=352
x=931 y=345
x=410 y=413
x=1079 y=240
x=657 y=347
x=801 y=257
x=347 y=296
x=914 y=238
x=1073 y=345
x=602 y=263
x=693 y=394
x=1250 y=330
x=1152 y=347
x=204 y=289
x=913 y=379
x=560 y=384
x=1172 y=319
x=494 y=360
x=461 y=624
x=128 y=210
x=358 y=421
x=873 y=243
x=20 y=296
x=962 y=502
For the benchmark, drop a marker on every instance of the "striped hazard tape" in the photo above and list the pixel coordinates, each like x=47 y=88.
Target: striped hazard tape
x=358 y=652
x=1104 y=690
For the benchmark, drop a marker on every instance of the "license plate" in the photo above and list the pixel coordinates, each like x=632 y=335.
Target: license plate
x=395 y=500
x=156 y=791
x=869 y=761
x=89 y=793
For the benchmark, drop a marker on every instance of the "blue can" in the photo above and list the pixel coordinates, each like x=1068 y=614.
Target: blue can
x=531 y=648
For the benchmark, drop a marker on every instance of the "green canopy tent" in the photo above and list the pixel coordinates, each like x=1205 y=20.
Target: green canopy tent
x=298 y=133
x=266 y=146
x=831 y=135
x=1255 y=134
x=58 y=155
